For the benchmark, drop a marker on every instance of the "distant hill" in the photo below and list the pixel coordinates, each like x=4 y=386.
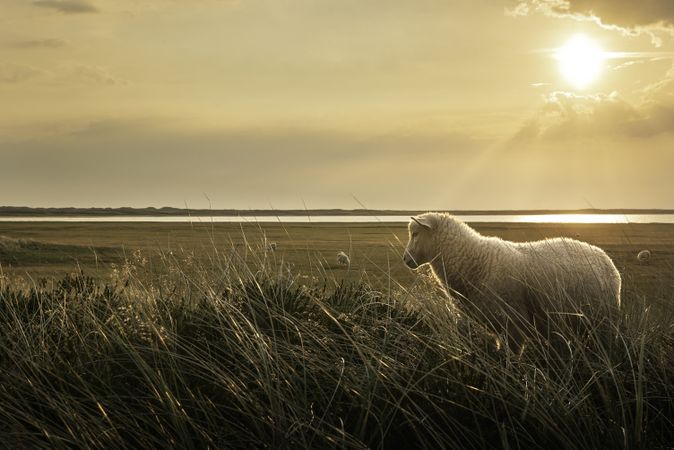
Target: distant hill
x=24 y=211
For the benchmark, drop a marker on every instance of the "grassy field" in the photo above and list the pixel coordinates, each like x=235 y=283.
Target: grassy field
x=200 y=337
x=48 y=249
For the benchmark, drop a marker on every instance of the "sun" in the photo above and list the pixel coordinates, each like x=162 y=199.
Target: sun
x=580 y=61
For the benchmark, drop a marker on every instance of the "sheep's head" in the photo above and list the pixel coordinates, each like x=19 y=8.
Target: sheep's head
x=419 y=248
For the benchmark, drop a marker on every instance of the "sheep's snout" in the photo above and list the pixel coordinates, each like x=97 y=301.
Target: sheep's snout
x=409 y=260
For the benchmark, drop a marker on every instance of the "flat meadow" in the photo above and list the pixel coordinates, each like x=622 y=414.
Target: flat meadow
x=204 y=336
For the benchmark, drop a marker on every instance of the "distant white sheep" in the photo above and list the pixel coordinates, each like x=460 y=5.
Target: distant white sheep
x=644 y=256
x=343 y=259
x=513 y=286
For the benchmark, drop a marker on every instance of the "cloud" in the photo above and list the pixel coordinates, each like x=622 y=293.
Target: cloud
x=89 y=75
x=67 y=74
x=662 y=89
x=566 y=116
x=147 y=161
x=16 y=73
x=67 y=6
x=41 y=43
x=653 y=17
x=157 y=162
x=626 y=13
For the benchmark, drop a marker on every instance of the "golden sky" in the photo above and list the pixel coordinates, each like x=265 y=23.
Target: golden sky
x=425 y=104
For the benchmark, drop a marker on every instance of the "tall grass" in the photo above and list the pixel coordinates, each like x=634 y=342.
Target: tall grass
x=241 y=352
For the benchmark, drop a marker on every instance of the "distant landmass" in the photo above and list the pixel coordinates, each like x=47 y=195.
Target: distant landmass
x=24 y=211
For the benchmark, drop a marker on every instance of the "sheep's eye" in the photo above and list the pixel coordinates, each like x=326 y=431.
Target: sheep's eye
x=415 y=233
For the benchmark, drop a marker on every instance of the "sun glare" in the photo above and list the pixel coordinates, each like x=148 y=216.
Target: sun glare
x=580 y=61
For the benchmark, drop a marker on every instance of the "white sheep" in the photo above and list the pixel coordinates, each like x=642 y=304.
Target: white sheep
x=511 y=286
x=343 y=259
x=644 y=256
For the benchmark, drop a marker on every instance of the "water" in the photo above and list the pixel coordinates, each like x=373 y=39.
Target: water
x=510 y=218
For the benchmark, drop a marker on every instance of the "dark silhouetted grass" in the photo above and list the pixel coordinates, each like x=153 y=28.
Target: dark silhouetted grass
x=241 y=351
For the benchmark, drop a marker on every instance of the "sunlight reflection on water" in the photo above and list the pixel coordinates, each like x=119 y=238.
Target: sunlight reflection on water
x=578 y=218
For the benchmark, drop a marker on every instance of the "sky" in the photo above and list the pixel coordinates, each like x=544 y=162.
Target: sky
x=425 y=104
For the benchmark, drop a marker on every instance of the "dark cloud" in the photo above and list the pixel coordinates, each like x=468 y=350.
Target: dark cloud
x=653 y=17
x=68 y=74
x=625 y=13
x=16 y=73
x=41 y=43
x=157 y=163
x=146 y=163
x=86 y=74
x=67 y=6
x=566 y=116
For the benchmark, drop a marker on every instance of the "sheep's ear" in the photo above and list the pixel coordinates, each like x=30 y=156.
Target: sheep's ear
x=423 y=221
